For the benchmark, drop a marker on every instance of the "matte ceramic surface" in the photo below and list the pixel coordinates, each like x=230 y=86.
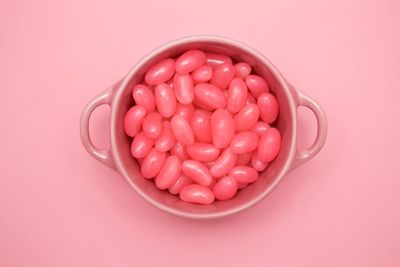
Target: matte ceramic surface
x=289 y=99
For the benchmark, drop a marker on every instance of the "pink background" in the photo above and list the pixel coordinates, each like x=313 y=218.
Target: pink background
x=60 y=207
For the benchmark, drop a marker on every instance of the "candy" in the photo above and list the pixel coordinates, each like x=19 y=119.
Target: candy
x=152 y=125
x=166 y=140
x=222 y=128
x=201 y=126
x=223 y=75
x=179 y=150
x=244 y=174
x=141 y=145
x=225 y=188
x=202 y=74
x=244 y=158
x=160 y=72
x=202 y=152
x=260 y=127
x=244 y=142
x=257 y=163
x=181 y=130
x=182 y=181
x=247 y=118
x=133 y=120
x=185 y=111
x=198 y=194
x=256 y=85
x=189 y=61
x=224 y=163
x=197 y=171
x=268 y=107
x=152 y=163
x=210 y=95
x=269 y=145
x=242 y=70
x=237 y=95
x=183 y=87
x=144 y=97
x=214 y=60
x=165 y=100
x=169 y=173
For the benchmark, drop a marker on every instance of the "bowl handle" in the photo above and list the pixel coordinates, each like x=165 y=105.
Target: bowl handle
x=305 y=155
x=104 y=156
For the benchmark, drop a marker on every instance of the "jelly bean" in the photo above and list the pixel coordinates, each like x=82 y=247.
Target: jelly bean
x=152 y=163
x=185 y=111
x=223 y=75
x=251 y=99
x=165 y=100
x=169 y=173
x=257 y=163
x=242 y=185
x=247 y=118
x=202 y=152
x=179 y=150
x=214 y=181
x=198 y=194
x=209 y=164
x=141 y=145
x=199 y=104
x=197 y=171
x=189 y=61
x=152 y=125
x=237 y=95
x=244 y=142
x=244 y=174
x=260 y=128
x=133 y=120
x=244 y=159
x=257 y=85
x=160 y=72
x=225 y=188
x=210 y=95
x=166 y=140
x=202 y=74
x=269 y=145
x=214 y=60
x=268 y=107
x=242 y=70
x=224 y=163
x=181 y=130
x=144 y=96
x=183 y=87
x=182 y=181
x=222 y=128
x=201 y=126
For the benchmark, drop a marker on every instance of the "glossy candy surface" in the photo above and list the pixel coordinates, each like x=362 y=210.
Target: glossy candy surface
x=160 y=72
x=198 y=194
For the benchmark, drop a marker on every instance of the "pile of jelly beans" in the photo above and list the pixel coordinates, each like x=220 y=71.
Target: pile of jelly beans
x=201 y=126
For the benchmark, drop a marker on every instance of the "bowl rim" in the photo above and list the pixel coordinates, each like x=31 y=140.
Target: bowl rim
x=191 y=39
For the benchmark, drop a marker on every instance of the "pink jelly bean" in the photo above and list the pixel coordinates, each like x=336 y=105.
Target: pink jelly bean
x=251 y=99
x=160 y=72
x=201 y=126
x=179 y=150
x=242 y=70
x=268 y=107
x=257 y=163
x=185 y=111
x=202 y=152
x=197 y=171
x=237 y=95
x=200 y=105
x=183 y=87
x=182 y=181
x=224 y=163
x=165 y=100
x=242 y=185
x=189 y=61
x=210 y=95
x=214 y=60
x=257 y=85
x=169 y=173
x=181 y=130
x=244 y=142
x=225 y=188
x=152 y=125
x=133 y=120
x=247 y=118
x=244 y=159
x=166 y=140
x=260 y=128
x=198 y=194
x=144 y=96
x=244 y=174
x=269 y=145
x=222 y=128
x=152 y=163
x=141 y=145
x=202 y=74
x=223 y=75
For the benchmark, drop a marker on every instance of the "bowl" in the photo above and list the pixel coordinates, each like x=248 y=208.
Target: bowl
x=119 y=98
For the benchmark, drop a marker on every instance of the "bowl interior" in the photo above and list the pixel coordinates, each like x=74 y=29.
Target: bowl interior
x=246 y=197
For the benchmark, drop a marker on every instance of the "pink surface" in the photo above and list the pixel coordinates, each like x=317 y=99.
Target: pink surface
x=60 y=207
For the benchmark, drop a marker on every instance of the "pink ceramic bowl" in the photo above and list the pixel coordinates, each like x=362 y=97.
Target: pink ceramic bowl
x=120 y=159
